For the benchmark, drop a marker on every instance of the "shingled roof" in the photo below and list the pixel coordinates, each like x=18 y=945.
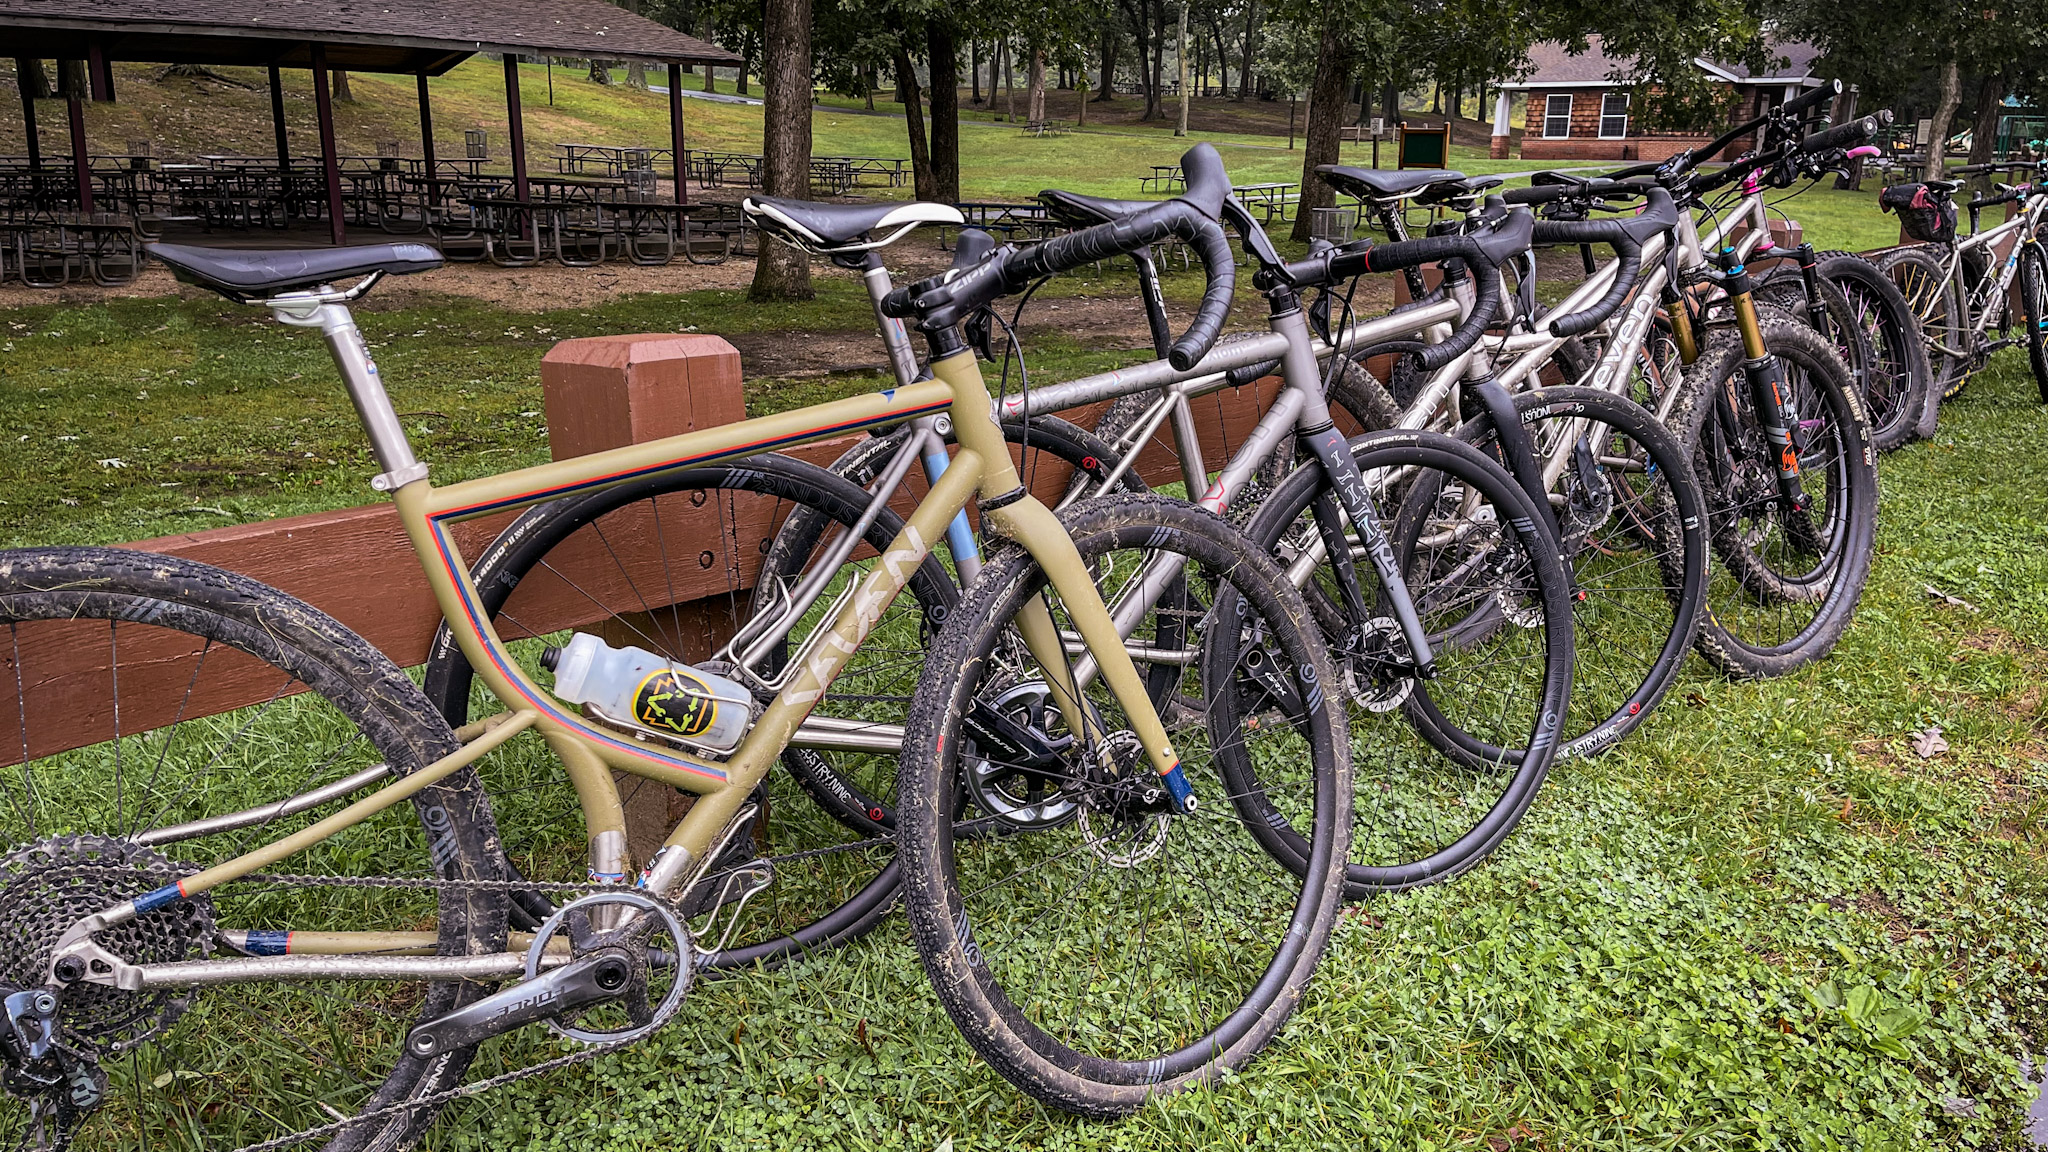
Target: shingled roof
x=1551 y=66
x=363 y=35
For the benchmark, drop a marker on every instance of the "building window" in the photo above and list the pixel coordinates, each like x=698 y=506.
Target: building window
x=1614 y=116
x=1557 y=116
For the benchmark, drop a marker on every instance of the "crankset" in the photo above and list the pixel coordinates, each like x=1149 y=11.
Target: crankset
x=605 y=969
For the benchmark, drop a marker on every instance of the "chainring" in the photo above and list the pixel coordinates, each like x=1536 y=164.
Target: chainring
x=48 y=886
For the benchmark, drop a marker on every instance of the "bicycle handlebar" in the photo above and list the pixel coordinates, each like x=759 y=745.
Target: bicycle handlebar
x=1430 y=250
x=1846 y=135
x=1799 y=104
x=942 y=301
x=1612 y=233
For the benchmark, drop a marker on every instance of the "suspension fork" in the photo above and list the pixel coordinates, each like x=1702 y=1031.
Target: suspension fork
x=1769 y=393
x=1816 y=308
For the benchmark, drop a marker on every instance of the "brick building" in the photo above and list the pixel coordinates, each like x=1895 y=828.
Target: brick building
x=1577 y=110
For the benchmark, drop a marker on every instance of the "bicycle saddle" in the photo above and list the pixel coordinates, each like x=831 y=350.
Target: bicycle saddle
x=1076 y=209
x=1943 y=187
x=1374 y=184
x=1447 y=190
x=818 y=227
x=267 y=272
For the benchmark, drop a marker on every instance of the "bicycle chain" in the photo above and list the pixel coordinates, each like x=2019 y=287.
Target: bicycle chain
x=460 y=1091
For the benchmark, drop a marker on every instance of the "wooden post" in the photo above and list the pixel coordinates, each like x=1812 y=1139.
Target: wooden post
x=323 y=101
x=81 y=165
x=28 y=124
x=520 y=190
x=284 y=147
x=427 y=129
x=675 y=131
x=101 y=72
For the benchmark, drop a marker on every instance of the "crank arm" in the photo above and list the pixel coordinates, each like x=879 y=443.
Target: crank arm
x=577 y=984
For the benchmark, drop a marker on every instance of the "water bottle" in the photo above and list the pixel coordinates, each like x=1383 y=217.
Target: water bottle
x=638 y=687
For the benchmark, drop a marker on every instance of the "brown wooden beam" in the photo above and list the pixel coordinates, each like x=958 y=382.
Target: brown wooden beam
x=426 y=126
x=675 y=131
x=323 y=100
x=81 y=164
x=101 y=72
x=284 y=147
x=28 y=124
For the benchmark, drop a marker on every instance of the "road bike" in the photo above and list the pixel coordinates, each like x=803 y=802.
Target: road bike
x=1432 y=812
x=1960 y=287
x=182 y=730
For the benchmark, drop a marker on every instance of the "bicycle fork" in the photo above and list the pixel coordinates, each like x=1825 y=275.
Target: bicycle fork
x=1776 y=416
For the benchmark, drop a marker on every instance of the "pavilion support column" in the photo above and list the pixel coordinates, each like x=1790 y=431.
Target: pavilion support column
x=520 y=190
x=101 y=73
x=675 y=131
x=427 y=126
x=323 y=101
x=80 y=163
x=28 y=125
x=284 y=147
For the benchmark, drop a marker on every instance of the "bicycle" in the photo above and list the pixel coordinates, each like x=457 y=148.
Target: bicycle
x=115 y=918
x=1951 y=282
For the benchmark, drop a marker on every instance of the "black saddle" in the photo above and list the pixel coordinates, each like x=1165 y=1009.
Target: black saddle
x=242 y=274
x=1078 y=210
x=1944 y=187
x=812 y=224
x=1377 y=184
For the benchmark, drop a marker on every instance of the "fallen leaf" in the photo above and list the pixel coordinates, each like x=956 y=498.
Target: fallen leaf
x=1695 y=700
x=1848 y=806
x=1929 y=744
x=1951 y=601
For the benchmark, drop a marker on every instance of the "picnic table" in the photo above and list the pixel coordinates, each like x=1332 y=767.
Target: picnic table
x=1017 y=223
x=1272 y=199
x=891 y=168
x=1047 y=127
x=1164 y=178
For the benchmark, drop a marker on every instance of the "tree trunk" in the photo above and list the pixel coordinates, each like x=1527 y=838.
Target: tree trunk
x=636 y=75
x=1364 y=97
x=710 y=74
x=782 y=272
x=1110 y=40
x=71 y=79
x=1322 y=142
x=1222 y=62
x=1009 y=84
x=974 y=69
x=867 y=84
x=942 y=48
x=32 y=80
x=600 y=71
x=913 y=117
x=1984 y=133
x=1944 y=111
x=1155 y=102
x=747 y=49
x=1034 y=86
x=1244 y=66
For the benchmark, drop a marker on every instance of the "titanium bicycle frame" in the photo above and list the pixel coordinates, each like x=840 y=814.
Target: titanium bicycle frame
x=590 y=753
x=1977 y=301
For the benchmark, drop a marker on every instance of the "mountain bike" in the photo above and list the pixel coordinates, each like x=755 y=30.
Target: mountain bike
x=182 y=730
x=1961 y=287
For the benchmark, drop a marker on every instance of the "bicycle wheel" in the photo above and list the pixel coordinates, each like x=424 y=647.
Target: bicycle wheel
x=1127 y=951
x=1785 y=290
x=1441 y=763
x=1900 y=389
x=1944 y=325
x=2034 y=311
x=1786 y=584
x=152 y=693
x=1634 y=534
x=825 y=825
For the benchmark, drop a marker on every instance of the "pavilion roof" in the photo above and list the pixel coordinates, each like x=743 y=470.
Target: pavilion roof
x=428 y=36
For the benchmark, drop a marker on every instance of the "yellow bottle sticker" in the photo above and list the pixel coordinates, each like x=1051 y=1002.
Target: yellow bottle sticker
x=672 y=700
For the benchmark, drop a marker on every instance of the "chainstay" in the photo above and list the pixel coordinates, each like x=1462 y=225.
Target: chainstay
x=435 y=1100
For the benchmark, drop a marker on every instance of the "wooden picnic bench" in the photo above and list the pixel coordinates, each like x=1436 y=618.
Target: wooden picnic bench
x=1047 y=127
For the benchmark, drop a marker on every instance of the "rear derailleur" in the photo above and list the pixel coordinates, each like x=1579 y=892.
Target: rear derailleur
x=61 y=1086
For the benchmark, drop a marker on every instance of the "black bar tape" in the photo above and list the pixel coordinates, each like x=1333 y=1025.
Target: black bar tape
x=1615 y=236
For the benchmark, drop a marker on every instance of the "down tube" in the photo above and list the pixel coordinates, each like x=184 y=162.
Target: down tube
x=825 y=654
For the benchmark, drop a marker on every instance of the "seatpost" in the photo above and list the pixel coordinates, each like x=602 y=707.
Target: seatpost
x=326 y=309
